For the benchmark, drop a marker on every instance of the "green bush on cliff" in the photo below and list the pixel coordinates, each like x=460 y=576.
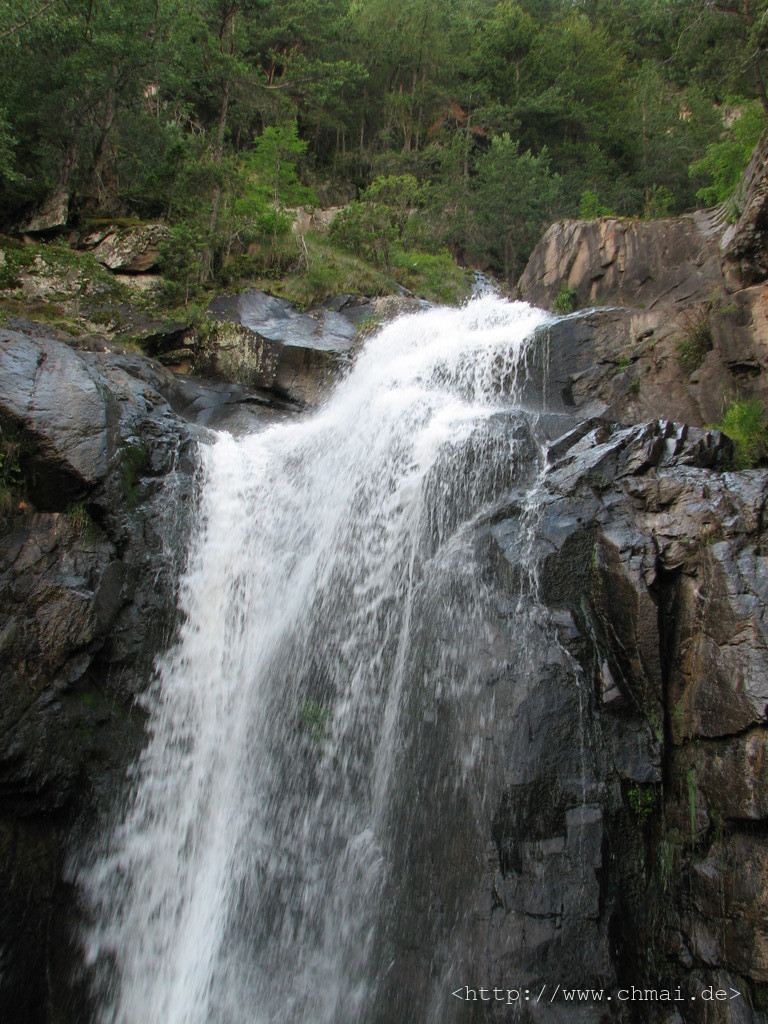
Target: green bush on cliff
x=744 y=422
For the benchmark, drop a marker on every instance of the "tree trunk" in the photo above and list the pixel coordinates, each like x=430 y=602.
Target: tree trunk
x=97 y=164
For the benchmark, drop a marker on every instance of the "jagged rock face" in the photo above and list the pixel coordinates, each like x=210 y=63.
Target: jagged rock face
x=634 y=365
x=688 y=328
x=610 y=831
x=88 y=571
x=623 y=262
x=652 y=573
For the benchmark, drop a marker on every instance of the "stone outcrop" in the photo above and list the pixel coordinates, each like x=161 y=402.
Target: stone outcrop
x=52 y=215
x=634 y=263
x=612 y=832
x=264 y=342
x=132 y=250
x=744 y=243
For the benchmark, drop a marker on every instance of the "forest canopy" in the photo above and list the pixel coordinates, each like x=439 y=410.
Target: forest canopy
x=458 y=124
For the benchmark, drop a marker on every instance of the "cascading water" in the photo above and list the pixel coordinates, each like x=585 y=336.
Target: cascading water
x=328 y=687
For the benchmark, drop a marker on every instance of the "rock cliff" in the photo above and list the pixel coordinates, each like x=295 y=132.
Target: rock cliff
x=678 y=309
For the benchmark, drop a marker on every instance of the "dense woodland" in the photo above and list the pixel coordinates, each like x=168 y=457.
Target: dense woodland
x=447 y=126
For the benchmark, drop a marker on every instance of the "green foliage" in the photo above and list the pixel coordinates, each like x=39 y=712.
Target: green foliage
x=590 y=207
x=659 y=202
x=371 y=226
x=181 y=261
x=642 y=801
x=565 y=301
x=464 y=125
x=744 y=422
x=724 y=161
x=514 y=195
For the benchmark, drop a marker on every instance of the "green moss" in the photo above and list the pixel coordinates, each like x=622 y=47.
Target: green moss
x=133 y=459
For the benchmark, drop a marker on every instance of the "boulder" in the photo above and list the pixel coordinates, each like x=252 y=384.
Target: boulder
x=132 y=250
x=263 y=342
x=52 y=214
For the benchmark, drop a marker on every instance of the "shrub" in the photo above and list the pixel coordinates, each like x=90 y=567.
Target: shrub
x=590 y=207
x=565 y=301
x=744 y=422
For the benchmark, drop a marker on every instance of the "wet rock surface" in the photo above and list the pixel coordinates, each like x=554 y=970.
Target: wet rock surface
x=264 y=342
x=612 y=832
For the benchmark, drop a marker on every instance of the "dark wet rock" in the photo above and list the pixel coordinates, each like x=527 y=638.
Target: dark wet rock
x=624 y=778
x=263 y=342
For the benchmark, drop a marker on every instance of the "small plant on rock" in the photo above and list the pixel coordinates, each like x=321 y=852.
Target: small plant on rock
x=696 y=340
x=565 y=301
x=642 y=801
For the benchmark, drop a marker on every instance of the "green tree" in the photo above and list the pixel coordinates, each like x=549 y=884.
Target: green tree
x=724 y=161
x=514 y=195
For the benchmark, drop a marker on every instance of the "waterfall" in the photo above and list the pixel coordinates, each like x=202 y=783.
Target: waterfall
x=327 y=687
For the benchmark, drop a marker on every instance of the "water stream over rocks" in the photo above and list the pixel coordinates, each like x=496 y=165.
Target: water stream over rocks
x=327 y=681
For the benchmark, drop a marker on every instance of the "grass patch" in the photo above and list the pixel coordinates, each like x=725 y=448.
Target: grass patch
x=315 y=721
x=696 y=341
x=744 y=422
x=79 y=518
x=432 y=276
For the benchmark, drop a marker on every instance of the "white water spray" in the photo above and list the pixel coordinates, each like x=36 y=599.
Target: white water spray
x=247 y=880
